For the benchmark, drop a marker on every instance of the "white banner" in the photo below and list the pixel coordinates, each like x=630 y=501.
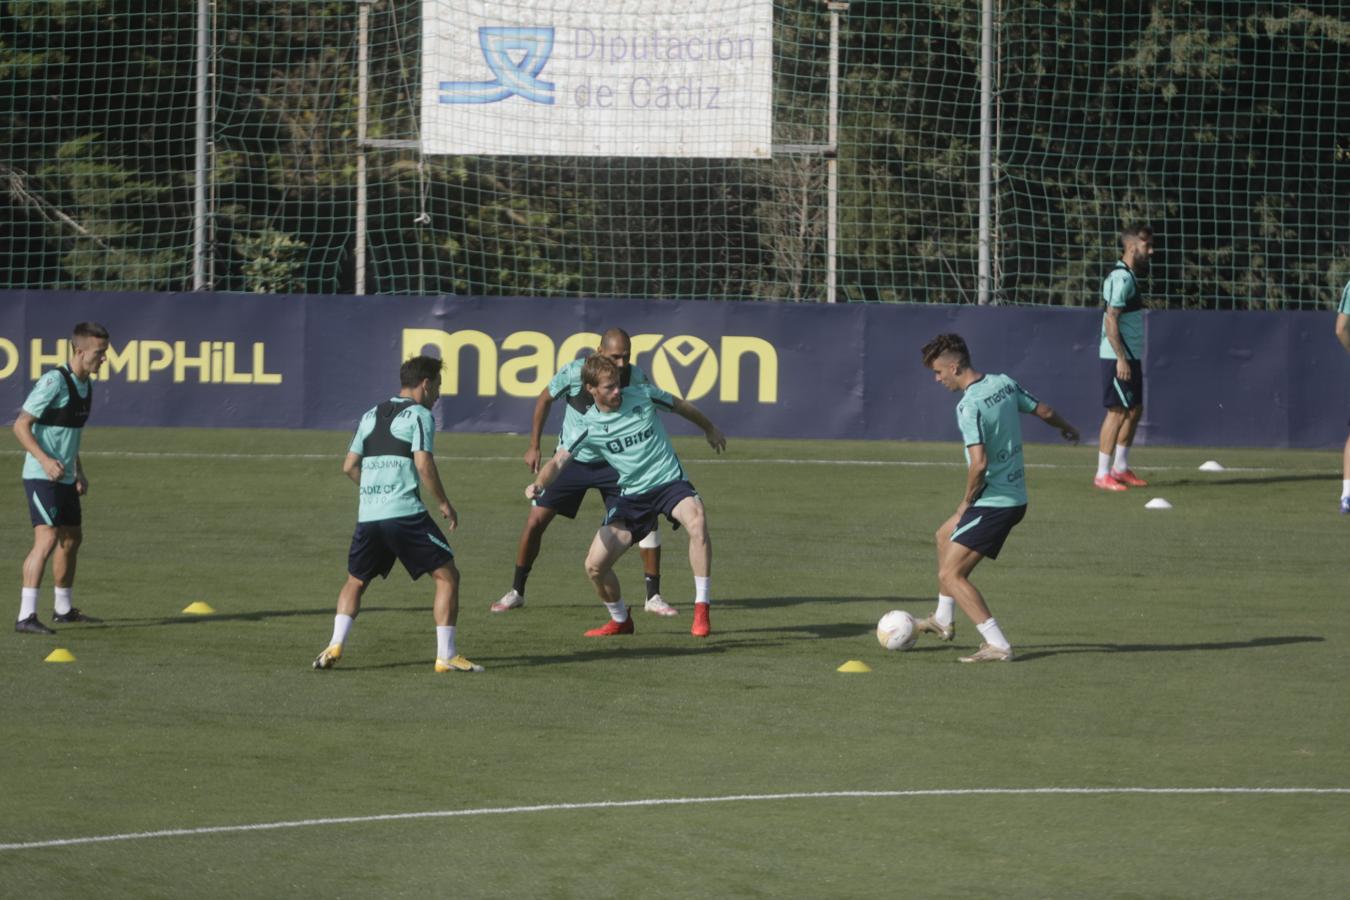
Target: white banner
x=598 y=78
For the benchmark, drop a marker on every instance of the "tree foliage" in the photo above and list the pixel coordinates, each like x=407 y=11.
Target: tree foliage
x=1222 y=124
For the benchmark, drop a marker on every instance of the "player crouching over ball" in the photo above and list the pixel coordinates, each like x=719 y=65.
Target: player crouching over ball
x=624 y=428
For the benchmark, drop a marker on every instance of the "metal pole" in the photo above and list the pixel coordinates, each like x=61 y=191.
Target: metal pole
x=986 y=149
x=199 y=181
x=832 y=160
x=362 y=121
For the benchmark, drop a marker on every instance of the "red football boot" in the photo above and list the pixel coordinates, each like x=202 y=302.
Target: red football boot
x=1128 y=477
x=611 y=628
x=701 y=627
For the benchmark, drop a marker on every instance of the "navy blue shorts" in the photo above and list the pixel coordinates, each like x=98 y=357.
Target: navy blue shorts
x=637 y=513
x=1117 y=393
x=414 y=541
x=564 y=495
x=52 y=503
x=985 y=528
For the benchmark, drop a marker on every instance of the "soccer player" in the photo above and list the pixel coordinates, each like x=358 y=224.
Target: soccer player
x=49 y=428
x=391 y=452
x=625 y=428
x=995 y=499
x=1343 y=335
x=1122 y=369
x=588 y=470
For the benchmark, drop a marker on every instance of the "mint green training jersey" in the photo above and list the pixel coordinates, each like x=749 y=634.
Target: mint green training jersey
x=566 y=385
x=386 y=439
x=633 y=440
x=50 y=395
x=1121 y=290
x=990 y=414
x=1344 y=308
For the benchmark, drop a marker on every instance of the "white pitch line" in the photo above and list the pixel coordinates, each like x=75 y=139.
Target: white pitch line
x=670 y=801
x=740 y=461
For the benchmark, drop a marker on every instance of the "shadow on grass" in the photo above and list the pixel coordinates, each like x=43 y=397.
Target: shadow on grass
x=1232 y=480
x=1039 y=651
x=775 y=602
x=255 y=616
x=610 y=652
x=815 y=630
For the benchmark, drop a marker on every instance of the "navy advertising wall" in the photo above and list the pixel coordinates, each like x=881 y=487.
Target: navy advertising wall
x=758 y=369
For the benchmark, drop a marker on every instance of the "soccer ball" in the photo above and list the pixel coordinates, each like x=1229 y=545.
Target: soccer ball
x=896 y=631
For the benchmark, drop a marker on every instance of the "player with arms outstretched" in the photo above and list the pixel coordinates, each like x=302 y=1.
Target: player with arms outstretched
x=624 y=426
x=588 y=470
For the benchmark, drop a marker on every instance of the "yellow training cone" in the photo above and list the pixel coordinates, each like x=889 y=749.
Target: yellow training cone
x=60 y=654
x=854 y=665
x=198 y=609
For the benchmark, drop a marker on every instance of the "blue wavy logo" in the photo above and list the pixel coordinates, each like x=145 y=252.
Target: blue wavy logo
x=515 y=56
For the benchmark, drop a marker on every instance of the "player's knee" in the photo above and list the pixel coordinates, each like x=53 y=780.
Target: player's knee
x=538 y=520
x=697 y=526
x=596 y=567
x=949 y=573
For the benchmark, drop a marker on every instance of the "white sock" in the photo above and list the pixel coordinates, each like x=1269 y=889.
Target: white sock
x=617 y=611
x=341 y=626
x=945 y=609
x=62 y=605
x=445 y=641
x=1103 y=463
x=1122 y=458
x=1345 y=488
x=993 y=634
x=702 y=589
x=27 y=603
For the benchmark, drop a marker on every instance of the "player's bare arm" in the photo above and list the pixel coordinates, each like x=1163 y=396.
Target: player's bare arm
x=541 y=410
x=81 y=482
x=1343 y=330
x=548 y=474
x=979 y=464
x=687 y=410
x=1047 y=415
x=351 y=467
x=23 y=430
x=1112 y=326
x=431 y=483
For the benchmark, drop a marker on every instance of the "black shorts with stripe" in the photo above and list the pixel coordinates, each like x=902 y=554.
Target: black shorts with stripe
x=637 y=513
x=565 y=494
x=985 y=528
x=1117 y=394
x=415 y=541
x=53 y=503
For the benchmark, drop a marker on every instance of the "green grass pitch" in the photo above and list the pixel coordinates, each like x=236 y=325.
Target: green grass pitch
x=1200 y=647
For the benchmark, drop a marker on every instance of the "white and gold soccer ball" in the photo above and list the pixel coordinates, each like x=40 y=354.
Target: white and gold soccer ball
x=896 y=631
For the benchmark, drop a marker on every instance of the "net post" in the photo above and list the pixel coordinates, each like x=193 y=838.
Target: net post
x=983 y=290
x=835 y=7
x=199 y=205
x=362 y=126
